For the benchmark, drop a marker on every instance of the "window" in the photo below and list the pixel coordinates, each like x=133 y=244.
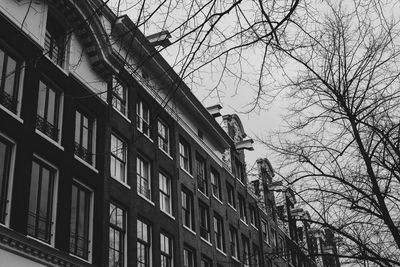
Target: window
x=281 y=247
x=188 y=257
x=204 y=221
x=6 y=149
x=239 y=173
x=166 y=251
x=165 y=193
x=242 y=208
x=143 y=118
x=143 y=244
x=163 y=137
x=119 y=95
x=117 y=233
x=187 y=209
x=219 y=232
x=84 y=137
x=273 y=237
x=79 y=240
x=256 y=255
x=118 y=158
x=143 y=177
x=10 y=71
x=234 y=242
x=202 y=183
x=55 y=41
x=48 y=111
x=41 y=198
x=253 y=219
x=246 y=251
x=265 y=231
x=231 y=195
x=216 y=184
x=184 y=155
x=205 y=262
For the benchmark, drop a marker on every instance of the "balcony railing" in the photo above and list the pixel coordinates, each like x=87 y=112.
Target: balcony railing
x=8 y=101
x=54 y=49
x=204 y=232
x=39 y=226
x=47 y=128
x=79 y=246
x=83 y=153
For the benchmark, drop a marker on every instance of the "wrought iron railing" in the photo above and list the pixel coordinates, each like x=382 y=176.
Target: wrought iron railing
x=8 y=101
x=79 y=245
x=47 y=128
x=83 y=153
x=39 y=226
x=53 y=49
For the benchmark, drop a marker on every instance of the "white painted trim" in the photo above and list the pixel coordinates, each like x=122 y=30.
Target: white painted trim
x=10 y=178
x=207 y=197
x=124 y=184
x=229 y=204
x=86 y=164
x=188 y=173
x=145 y=198
x=49 y=139
x=217 y=199
x=190 y=230
x=11 y=114
x=168 y=155
x=206 y=241
x=235 y=259
x=169 y=215
x=122 y=114
x=220 y=251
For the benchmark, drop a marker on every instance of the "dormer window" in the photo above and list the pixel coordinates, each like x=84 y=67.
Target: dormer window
x=55 y=41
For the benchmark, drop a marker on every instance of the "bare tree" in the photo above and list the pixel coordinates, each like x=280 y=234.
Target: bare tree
x=341 y=149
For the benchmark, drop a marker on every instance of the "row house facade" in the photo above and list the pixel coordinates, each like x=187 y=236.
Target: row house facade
x=108 y=159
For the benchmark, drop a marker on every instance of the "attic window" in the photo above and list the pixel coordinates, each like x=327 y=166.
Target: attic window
x=55 y=41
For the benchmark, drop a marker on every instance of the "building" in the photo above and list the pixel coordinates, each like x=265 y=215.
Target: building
x=106 y=156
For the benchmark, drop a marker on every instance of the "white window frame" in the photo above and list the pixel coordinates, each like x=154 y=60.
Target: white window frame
x=215 y=183
x=184 y=155
x=93 y=141
x=171 y=248
x=142 y=164
x=124 y=160
x=55 y=200
x=122 y=100
x=125 y=232
x=140 y=109
x=163 y=140
x=10 y=179
x=168 y=182
x=91 y=217
x=150 y=233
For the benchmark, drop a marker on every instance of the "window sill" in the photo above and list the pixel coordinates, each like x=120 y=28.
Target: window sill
x=220 y=251
x=169 y=215
x=217 y=199
x=145 y=198
x=204 y=195
x=240 y=182
x=122 y=183
x=122 y=115
x=255 y=227
x=244 y=222
x=145 y=135
x=190 y=230
x=86 y=164
x=232 y=207
x=206 y=241
x=235 y=259
x=55 y=64
x=166 y=153
x=79 y=258
x=49 y=139
x=187 y=172
x=41 y=242
x=15 y=116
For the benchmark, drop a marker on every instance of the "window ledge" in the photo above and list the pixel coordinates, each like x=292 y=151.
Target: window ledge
x=217 y=199
x=206 y=241
x=166 y=153
x=145 y=198
x=188 y=173
x=49 y=139
x=220 y=251
x=255 y=227
x=41 y=242
x=79 y=258
x=145 y=135
x=86 y=164
x=190 y=230
x=169 y=215
x=204 y=195
x=230 y=205
x=235 y=259
x=240 y=182
x=15 y=116
x=55 y=64
x=124 y=184
x=244 y=222
x=122 y=115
